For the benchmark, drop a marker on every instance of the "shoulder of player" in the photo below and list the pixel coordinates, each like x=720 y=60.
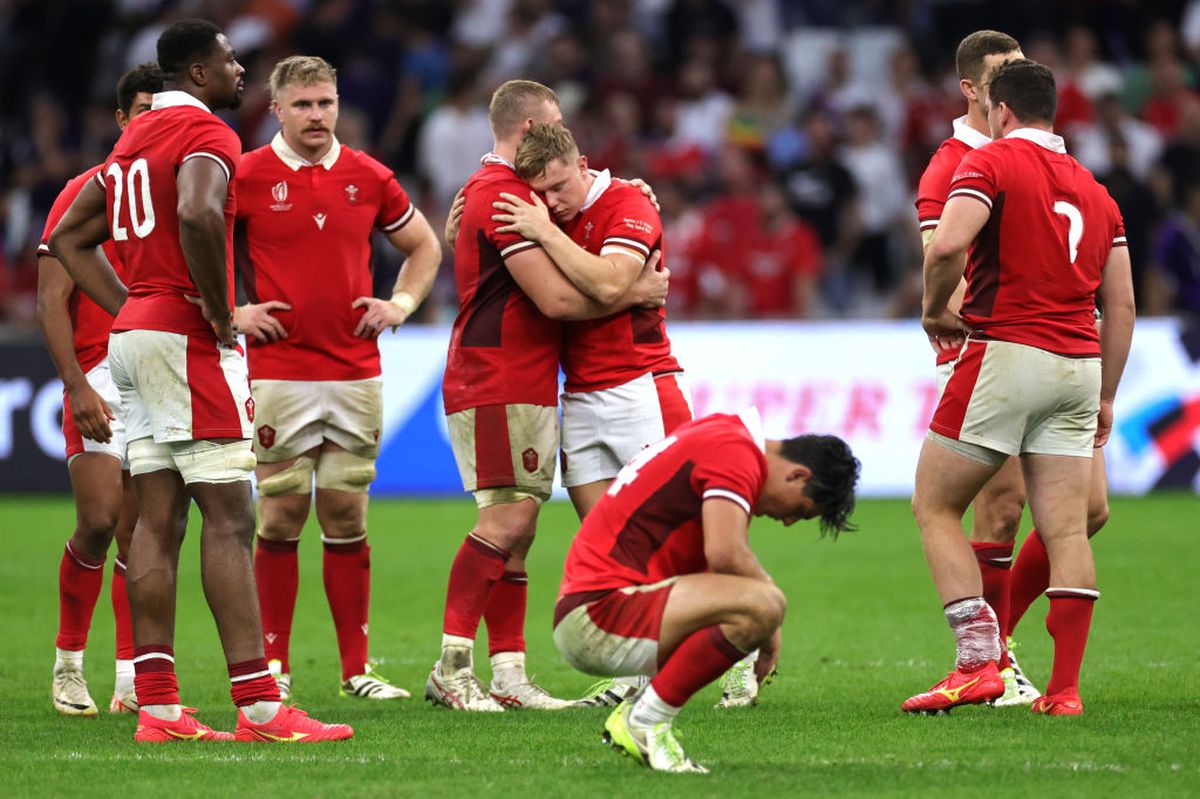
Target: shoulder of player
x=75 y=185
x=624 y=200
x=357 y=159
x=256 y=159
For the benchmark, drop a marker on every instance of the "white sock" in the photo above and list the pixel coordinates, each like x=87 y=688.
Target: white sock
x=635 y=681
x=458 y=652
x=651 y=710
x=508 y=668
x=68 y=659
x=164 y=712
x=124 y=672
x=261 y=712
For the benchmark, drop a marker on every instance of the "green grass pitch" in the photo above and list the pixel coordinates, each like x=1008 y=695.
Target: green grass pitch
x=864 y=630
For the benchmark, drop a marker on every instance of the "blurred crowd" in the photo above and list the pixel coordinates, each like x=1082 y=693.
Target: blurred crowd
x=784 y=138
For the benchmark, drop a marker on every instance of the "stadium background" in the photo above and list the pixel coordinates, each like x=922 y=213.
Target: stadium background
x=784 y=140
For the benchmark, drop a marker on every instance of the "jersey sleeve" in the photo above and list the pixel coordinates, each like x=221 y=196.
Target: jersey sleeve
x=1118 y=224
x=507 y=243
x=214 y=140
x=395 y=209
x=62 y=202
x=633 y=228
x=732 y=470
x=976 y=177
x=932 y=189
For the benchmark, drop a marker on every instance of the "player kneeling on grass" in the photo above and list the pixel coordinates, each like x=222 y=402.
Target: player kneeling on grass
x=661 y=580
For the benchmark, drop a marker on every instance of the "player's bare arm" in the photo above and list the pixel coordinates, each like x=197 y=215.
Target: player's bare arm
x=1116 y=333
x=960 y=291
x=418 y=241
x=255 y=319
x=727 y=551
x=557 y=298
x=76 y=242
x=203 y=187
x=604 y=278
x=945 y=260
x=88 y=408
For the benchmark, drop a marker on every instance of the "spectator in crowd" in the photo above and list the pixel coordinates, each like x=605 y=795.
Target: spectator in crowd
x=1175 y=272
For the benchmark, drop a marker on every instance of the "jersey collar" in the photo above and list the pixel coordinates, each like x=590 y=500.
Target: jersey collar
x=968 y=135
x=294 y=160
x=174 y=98
x=753 y=421
x=492 y=158
x=602 y=180
x=1043 y=138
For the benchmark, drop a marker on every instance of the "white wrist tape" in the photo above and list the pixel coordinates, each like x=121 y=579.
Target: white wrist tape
x=405 y=302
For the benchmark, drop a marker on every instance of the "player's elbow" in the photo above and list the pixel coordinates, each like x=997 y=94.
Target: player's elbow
x=558 y=307
x=198 y=215
x=608 y=293
x=942 y=250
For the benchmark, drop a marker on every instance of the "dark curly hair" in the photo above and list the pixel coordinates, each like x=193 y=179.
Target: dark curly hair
x=834 y=475
x=146 y=78
x=183 y=44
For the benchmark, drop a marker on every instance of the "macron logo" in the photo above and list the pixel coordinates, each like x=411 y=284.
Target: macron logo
x=320 y=220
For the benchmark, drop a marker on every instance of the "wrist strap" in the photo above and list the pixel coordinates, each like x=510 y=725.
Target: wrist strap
x=405 y=302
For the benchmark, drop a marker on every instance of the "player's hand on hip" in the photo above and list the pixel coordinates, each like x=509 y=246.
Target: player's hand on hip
x=946 y=331
x=1104 y=423
x=91 y=413
x=650 y=288
x=225 y=329
x=529 y=220
x=645 y=189
x=454 y=218
x=380 y=314
x=256 y=320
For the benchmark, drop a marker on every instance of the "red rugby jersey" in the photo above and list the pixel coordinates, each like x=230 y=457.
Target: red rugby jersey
x=89 y=322
x=308 y=228
x=139 y=178
x=502 y=349
x=935 y=185
x=647 y=526
x=1033 y=271
x=602 y=353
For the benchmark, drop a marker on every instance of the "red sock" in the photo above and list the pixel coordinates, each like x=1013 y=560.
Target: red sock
x=994 y=562
x=1068 y=622
x=250 y=681
x=1030 y=578
x=79 y=582
x=121 y=617
x=154 y=675
x=476 y=568
x=347 y=570
x=702 y=657
x=504 y=613
x=277 y=572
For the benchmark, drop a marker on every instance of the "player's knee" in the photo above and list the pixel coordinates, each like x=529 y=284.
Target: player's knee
x=342 y=519
x=96 y=522
x=766 y=608
x=295 y=479
x=1097 y=515
x=344 y=471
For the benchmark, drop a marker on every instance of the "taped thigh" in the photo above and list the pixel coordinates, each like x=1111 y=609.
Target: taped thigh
x=210 y=462
x=344 y=471
x=295 y=479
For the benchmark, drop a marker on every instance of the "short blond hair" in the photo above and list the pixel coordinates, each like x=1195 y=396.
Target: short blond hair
x=514 y=102
x=306 y=70
x=542 y=145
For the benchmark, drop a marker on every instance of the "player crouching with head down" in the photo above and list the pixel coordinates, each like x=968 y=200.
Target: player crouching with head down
x=661 y=580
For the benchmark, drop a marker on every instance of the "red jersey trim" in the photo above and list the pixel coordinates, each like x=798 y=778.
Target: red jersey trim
x=1120 y=241
x=203 y=154
x=632 y=244
x=404 y=219
x=99 y=178
x=930 y=223
x=724 y=493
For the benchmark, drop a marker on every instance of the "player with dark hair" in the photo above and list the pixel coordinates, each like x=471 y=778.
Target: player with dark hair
x=1042 y=241
x=164 y=197
x=76 y=334
x=661 y=580
x=1007 y=586
x=308 y=206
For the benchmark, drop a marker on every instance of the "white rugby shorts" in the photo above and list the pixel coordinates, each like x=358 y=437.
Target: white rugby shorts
x=294 y=416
